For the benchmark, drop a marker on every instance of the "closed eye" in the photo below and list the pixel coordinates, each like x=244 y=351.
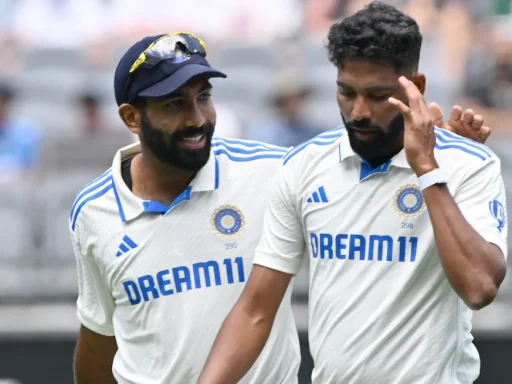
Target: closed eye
x=379 y=98
x=347 y=93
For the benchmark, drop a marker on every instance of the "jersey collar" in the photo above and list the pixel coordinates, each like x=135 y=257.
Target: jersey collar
x=131 y=206
x=346 y=151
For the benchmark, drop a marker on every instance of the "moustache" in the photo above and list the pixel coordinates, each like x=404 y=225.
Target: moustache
x=362 y=125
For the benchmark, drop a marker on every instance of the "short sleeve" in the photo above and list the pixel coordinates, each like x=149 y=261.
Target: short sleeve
x=95 y=304
x=282 y=243
x=481 y=199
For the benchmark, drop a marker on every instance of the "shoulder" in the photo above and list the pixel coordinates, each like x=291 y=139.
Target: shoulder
x=316 y=147
x=464 y=158
x=460 y=150
x=93 y=198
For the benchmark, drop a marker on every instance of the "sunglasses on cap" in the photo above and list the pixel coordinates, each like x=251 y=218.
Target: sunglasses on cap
x=174 y=45
x=178 y=45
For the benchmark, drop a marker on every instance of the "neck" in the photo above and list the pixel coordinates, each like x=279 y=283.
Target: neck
x=158 y=181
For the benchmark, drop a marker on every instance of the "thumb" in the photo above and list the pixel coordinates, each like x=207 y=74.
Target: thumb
x=437 y=114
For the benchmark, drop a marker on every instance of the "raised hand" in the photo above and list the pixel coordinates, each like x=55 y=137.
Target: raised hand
x=464 y=123
x=419 y=135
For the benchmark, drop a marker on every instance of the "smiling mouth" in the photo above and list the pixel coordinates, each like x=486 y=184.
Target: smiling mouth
x=195 y=141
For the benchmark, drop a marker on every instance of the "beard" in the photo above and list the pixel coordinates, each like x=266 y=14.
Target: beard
x=384 y=143
x=169 y=149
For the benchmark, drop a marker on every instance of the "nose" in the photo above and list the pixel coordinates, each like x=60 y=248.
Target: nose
x=194 y=117
x=361 y=110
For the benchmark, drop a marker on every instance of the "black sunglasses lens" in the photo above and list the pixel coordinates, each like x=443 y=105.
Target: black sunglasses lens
x=193 y=45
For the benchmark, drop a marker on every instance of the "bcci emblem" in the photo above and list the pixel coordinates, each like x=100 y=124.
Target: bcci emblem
x=408 y=201
x=228 y=221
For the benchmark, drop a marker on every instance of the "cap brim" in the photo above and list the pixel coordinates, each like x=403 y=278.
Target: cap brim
x=180 y=78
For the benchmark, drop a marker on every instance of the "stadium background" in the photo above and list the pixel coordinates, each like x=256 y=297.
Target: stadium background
x=59 y=128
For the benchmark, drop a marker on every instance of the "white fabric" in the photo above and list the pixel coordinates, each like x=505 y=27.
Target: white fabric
x=381 y=309
x=164 y=283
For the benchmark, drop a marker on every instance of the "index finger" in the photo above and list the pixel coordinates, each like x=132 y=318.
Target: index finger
x=412 y=92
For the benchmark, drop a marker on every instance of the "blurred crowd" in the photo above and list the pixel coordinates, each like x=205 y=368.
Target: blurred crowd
x=59 y=123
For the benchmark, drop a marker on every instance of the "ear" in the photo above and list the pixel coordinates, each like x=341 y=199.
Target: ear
x=131 y=117
x=419 y=81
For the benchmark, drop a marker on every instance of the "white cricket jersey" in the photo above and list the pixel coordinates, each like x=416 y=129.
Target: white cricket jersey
x=162 y=279
x=381 y=309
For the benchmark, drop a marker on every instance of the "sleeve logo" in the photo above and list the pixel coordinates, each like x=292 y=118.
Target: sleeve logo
x=496 y=209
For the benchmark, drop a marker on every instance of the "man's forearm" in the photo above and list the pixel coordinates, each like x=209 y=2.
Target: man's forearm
x=94 y=377
x=94 y=356
x=236 y=348
x=89 y=370
x=473 y=267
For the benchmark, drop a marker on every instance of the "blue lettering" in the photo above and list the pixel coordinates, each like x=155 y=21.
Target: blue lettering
x=403 y=248
x=340 y=246
x=314 y=244
x=414 y=247
x=357 y=244
x=205 y=267
x=183 y=279
x=402 y=241
x=240 y=264
x=147 y=288
x=381 y=241
x=229 y=270
x=162 y=282
x=198 y=275
x=132 y=291
x=326 y=245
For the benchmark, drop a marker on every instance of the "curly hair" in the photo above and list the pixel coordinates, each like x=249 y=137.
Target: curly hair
x=379 y=33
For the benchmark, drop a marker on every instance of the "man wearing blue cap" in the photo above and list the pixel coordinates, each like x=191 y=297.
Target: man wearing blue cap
x=164 y=239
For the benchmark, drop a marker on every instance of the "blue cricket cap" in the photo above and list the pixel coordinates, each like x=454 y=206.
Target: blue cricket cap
x=160 y=80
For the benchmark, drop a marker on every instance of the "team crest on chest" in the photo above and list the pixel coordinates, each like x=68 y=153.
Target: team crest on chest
x=228 y=221
x=408 y=201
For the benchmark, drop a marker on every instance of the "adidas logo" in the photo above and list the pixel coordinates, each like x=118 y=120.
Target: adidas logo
x=318 y=196
x=125 y=246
